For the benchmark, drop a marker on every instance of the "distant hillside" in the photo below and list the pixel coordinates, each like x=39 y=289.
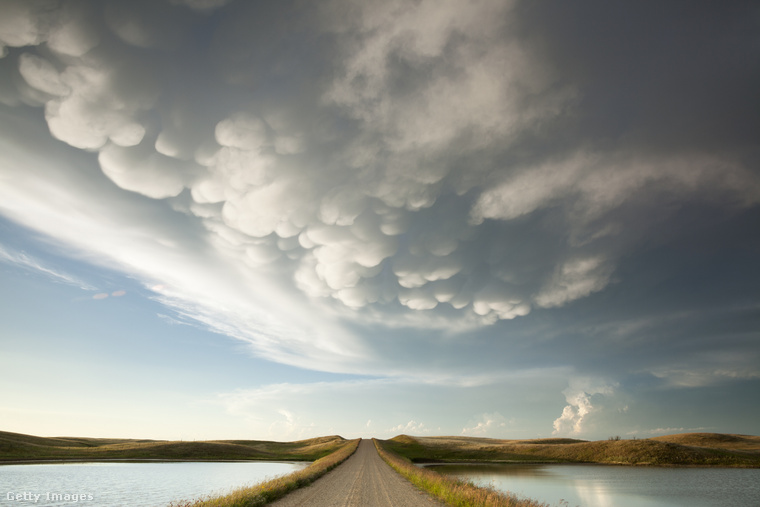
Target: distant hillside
x=702 y=449
x=20 y=447
x=714 y=440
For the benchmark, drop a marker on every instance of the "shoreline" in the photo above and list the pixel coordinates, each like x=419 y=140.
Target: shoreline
x=577 y=463
x=147 y=460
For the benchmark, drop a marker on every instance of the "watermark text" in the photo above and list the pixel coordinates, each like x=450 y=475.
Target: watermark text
x=28 y=496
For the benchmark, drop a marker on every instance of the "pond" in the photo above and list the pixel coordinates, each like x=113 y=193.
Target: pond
x=129 y=484
x=618 y=486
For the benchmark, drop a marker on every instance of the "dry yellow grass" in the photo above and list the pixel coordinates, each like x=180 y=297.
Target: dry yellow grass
x=269 y=491
x=452 y=491
x=714 y=441
x=689 y=449
x=20 y=447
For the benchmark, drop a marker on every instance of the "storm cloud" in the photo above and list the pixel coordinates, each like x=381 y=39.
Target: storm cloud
x=566 y=185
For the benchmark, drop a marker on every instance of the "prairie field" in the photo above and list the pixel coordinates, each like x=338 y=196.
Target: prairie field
x=691 y=449
x=16 y=447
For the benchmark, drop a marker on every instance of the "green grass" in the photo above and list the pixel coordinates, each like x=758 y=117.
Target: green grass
x=269 y=491
x=16 y=447
x=455 y=492
x=699 y=449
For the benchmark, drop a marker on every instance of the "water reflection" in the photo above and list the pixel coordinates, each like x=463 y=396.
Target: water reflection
x=133 y=484
x=618 y=486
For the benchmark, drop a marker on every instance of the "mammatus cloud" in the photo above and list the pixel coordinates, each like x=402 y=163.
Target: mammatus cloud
x=437 y=96
x=427 y=165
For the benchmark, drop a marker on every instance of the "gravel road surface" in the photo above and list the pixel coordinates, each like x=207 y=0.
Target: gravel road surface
x=363 y=480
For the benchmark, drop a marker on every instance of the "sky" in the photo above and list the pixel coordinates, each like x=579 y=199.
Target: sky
x=284 y=219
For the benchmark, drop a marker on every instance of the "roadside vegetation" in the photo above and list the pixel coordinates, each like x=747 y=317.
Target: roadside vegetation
x=269 y=491
x=16 y=447
x=690 y=449
x=452 y=491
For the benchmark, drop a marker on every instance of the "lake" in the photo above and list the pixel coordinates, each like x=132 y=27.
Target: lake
x=129 y=484
x=618 y=486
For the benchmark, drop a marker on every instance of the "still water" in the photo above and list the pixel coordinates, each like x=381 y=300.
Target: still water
x=617 y=486
x=132 y=484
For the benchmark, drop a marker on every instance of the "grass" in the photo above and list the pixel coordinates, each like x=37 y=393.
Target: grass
x=269 y=491
x=696 y=449
x=455 y=492
x=16 y=447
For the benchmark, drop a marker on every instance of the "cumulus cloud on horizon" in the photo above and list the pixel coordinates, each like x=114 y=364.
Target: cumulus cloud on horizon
x=580 y=405
x=421 y=164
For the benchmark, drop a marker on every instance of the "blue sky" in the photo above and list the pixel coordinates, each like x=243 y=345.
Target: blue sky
x=279 y=220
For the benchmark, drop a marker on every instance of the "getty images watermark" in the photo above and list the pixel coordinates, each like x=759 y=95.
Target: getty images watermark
x=28 y=496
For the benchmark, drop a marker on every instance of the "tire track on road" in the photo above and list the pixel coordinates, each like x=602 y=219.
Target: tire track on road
x=363 y=480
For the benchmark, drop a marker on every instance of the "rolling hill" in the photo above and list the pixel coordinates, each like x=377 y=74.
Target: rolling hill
x=690 y=449
x=16 y=447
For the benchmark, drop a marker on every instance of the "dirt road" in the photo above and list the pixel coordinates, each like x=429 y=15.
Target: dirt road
x=363 y=480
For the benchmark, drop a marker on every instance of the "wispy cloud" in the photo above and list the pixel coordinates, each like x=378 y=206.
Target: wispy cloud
x=442 y=193
x=707 y=376
x=105 y=295
x=669 y=430
x=359 y=234
x=30 y=263
x=411 y=428
x=492 y=425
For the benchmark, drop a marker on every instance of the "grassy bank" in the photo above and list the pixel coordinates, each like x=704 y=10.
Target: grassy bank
x=269 y=491
x=16 y=447
x=452 y=491
x=696 y=449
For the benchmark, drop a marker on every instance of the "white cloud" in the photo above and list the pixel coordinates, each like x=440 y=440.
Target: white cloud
x=146 y=172
x=394 y=186
x=305 y=410
x=410 y=428
x=68 y=29
x=672 y=430
x=96 y=110
x=575 y=279
x=23 y=260
x=41 y=74
x=146 y=27
x=359 y=203
x=76 y=31
x=242 y=131
x=591 y=184
x=579 y=396
x=112 y=228
x=493 y=425
x=418 y=33
x=24 y=22
x=710 y=371
x=365 y=403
